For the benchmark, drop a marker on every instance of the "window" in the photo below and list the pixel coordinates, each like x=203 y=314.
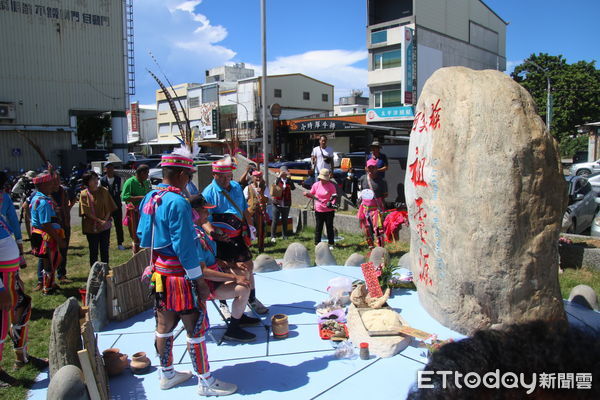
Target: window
x=194 y=102
x=378 y=37
x=387 y=59
x=209 y=94
x=306 y=95
x=325 y=97
x=277 y=92
x=388 y=98
x=164 y=129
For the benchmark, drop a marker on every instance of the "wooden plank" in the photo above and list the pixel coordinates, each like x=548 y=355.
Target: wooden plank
x=91 y=345
x=88 y=374
x=110 y=295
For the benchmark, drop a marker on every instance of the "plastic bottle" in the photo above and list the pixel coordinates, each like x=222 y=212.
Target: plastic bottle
x=364 y=351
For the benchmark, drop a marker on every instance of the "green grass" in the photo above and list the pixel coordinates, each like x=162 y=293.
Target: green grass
x=78 y=268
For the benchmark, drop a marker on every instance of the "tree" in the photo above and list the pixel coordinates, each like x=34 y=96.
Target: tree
x=91 y=129
x=575 y=93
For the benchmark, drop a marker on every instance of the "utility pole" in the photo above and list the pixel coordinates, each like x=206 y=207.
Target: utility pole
x=265 y=136
x=548 y=94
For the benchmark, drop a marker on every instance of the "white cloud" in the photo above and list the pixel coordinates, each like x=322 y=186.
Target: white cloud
x=336 y=67
x=184 y=42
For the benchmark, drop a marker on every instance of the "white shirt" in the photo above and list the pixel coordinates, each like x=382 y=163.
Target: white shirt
x=246 y=194
x=320 y=153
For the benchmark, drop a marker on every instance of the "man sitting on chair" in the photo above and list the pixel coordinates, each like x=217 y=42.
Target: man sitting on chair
x=223 y=281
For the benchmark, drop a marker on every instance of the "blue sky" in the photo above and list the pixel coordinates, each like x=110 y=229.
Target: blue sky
x=325 y=39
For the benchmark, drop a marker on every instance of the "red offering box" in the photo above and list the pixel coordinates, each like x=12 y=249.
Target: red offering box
x=326 y=334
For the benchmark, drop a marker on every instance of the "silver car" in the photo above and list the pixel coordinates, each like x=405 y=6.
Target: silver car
x=582 y=205
x=585 y=169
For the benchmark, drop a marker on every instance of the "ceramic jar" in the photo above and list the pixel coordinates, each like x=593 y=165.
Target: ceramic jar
x=139 y=364
x=114 y=361
x=279 y=325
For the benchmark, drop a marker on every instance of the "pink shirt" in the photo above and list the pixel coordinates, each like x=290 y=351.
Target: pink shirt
x=323 y=191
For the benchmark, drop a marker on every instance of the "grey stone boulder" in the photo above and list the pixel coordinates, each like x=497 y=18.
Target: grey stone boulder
x=67 y=384
x=379 y=255
x=323 y=255
x=355 y=260
x=584 y=296
x=485 y=199
x=404 y=261
x=296 y=256
x=65 y=336
x=96 y=295
x=265 y=263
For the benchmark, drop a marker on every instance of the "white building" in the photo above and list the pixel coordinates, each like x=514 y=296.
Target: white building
x=298 y=96
x=228 y=73
x=141 y=121
x=351 y=105
x=408 y=40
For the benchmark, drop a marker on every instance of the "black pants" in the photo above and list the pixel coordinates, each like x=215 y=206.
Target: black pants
x=283 y=212
x=98 y=240
x=118 y=224
x=327 y=219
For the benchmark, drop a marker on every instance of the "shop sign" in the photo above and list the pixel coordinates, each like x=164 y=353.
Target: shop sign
x=319 y=125
x=390 y=114
x=53 y=13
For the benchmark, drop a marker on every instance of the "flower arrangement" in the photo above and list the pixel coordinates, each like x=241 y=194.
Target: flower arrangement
x=384 y=275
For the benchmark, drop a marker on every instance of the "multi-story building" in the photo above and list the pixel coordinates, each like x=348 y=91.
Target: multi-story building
x=228 y=73
x=60 y=61
x=297 y=95
x=408 y=40
x=351 y=105
x=141 y=121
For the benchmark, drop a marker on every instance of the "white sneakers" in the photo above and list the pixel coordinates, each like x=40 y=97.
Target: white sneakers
x=273 y=240
x=176 y=379
x=215 y=387
x=210 y=387
x=225 y=310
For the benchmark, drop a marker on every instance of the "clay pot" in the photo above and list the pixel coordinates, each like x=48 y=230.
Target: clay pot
x=140 y=364
x=114 y=361
x=279 y=325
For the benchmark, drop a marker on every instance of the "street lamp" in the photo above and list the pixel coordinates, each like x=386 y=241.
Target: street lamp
x=548 y=94
x=247 y=134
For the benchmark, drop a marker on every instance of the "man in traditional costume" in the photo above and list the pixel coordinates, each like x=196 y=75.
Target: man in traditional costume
x=231 y=226
x=166 y=228
x=47 y=236
x=223 y=281
x=257 y=196
x=373 y=191
x=15 y=305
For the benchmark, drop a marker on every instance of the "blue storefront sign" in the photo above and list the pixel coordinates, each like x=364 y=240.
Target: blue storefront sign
x=390 y=113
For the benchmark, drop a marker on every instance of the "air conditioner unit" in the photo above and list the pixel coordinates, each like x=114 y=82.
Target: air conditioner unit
x=7 y=111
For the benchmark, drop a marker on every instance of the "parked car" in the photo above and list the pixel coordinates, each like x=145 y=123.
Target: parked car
x=583 y=205
x=595 y=231
x=594 y=180
x=134 y=156
x=151 y=162
x=585 y=169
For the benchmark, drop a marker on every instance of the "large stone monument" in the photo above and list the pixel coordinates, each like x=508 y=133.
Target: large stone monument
x=486 y=199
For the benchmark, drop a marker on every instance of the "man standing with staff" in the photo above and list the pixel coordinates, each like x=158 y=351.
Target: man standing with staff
x=230 y=225
x=166 y=227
